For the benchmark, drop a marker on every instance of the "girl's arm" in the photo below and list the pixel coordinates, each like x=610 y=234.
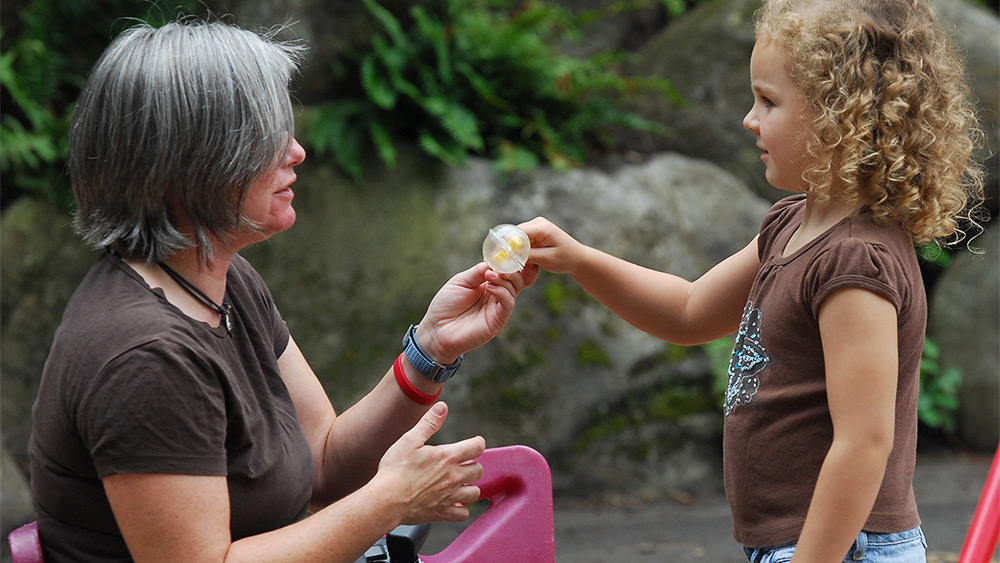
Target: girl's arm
x=858 y=329
x=661 y=304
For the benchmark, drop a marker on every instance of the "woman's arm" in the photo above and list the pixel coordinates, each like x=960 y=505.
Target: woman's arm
x=186 y=517
x=372 y=461
x=858 y=328
x=468 y=311
x=661 y=304
x=347 y=448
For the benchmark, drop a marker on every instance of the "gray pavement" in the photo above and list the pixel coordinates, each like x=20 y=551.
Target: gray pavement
x=686 y=529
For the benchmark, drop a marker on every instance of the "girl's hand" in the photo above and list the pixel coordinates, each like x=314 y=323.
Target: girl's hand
x=472 y=308
x=551 y=248
x=431 y=483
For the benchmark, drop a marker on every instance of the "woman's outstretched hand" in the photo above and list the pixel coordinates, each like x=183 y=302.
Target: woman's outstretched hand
x=471 y=308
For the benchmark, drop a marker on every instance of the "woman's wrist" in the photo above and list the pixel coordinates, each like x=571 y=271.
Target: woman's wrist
x=383 y=494
x=428 y=343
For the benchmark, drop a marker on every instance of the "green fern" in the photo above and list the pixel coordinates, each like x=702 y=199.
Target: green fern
x=476 y=79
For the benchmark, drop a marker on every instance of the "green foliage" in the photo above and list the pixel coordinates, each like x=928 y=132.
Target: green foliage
x=678 y=7
x=938 y=389
x=33 y=129
x=719 y=353
x=460 y=78
x=46 y=53
x=933 y=253
x=591 y=352
x=667 y=402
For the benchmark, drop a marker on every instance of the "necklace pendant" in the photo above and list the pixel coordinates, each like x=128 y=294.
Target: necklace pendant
x=227 y=319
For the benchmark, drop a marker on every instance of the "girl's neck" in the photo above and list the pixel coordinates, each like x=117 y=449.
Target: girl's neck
x=819 y=217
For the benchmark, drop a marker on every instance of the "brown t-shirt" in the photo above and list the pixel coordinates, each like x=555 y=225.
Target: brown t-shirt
x=133 y=385
x=778 y=428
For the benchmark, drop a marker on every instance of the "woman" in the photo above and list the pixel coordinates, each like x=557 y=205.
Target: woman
x=176 y=419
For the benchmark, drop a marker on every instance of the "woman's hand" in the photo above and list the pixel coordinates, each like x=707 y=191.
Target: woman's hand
x=431 y=483
x=471 y=308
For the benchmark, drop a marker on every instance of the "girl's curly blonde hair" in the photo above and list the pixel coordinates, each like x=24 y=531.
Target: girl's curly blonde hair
x=894 y=128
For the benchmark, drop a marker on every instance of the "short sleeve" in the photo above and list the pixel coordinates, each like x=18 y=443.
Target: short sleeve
x=855 y=263
x=154 y=409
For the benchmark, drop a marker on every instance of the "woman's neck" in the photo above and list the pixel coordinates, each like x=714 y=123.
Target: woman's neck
x=208 y=278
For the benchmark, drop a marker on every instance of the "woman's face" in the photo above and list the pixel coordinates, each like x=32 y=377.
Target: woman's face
x=269 y=200
x=779 y=117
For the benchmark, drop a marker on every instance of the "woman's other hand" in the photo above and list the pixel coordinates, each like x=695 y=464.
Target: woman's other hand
x=432 y=483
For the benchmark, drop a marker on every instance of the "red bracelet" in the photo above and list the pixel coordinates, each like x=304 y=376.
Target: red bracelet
x=408 y=389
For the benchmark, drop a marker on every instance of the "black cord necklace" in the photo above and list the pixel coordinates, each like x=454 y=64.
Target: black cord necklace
x=223 y=310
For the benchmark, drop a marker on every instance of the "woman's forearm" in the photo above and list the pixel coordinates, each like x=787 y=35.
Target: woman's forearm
x=361 y=435
x=339 y=533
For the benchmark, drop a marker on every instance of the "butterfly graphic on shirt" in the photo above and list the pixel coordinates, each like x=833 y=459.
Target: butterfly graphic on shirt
x=748 y=360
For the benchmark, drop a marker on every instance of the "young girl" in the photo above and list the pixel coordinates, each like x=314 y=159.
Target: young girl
x=859 y=110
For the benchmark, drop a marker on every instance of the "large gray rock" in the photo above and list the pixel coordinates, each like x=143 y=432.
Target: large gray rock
x=43 y=261
x=977 y=32
x=16 y=494
x=965 y=323
x=706 y=55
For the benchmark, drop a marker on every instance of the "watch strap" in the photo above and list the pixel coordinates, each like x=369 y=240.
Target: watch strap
x=433 y=371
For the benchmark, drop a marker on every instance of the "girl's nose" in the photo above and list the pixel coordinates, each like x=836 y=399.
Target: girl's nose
x=750 y=121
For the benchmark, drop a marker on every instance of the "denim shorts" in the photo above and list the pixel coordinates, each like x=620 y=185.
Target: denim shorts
x=898 y=547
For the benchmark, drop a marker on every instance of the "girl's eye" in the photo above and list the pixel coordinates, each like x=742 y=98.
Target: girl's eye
x=766 y=101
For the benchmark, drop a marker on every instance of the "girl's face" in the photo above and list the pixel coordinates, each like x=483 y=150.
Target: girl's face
x=779 y=117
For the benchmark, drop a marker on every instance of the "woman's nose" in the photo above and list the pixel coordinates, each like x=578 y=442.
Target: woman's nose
x=296 y=154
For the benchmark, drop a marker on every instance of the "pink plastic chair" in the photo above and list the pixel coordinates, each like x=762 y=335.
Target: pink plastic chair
x=518 y=526
x=26 y=544
x=981 y=539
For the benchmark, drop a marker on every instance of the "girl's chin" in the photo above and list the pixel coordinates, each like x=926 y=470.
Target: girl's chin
x=783 y=186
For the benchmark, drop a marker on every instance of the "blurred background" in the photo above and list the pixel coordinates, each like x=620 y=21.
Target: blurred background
x=427 y=123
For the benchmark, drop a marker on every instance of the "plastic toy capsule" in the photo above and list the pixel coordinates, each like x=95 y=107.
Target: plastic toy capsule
x=506 y=249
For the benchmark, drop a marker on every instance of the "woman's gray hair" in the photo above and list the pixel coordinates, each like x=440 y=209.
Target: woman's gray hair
x=184 y=117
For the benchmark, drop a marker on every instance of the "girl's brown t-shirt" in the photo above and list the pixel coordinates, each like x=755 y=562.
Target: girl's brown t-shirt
x=777 y=420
